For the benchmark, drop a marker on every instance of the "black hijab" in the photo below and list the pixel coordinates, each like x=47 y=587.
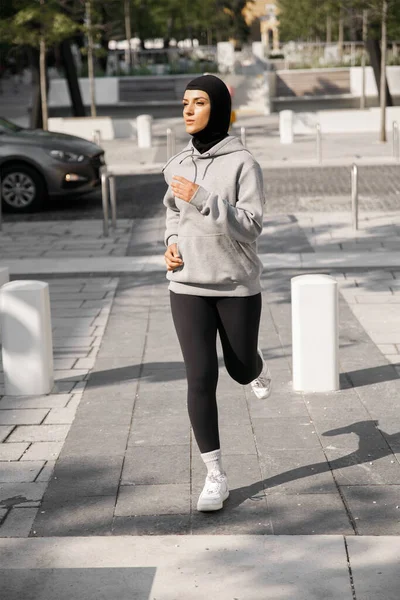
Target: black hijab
x=220 y=115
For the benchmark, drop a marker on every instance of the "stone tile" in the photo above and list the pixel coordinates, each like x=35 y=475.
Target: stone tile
x=79 y=517
x=281 y=404
x=164 y=431
x=63 y=387
x=47 y=471
x=156 y=465
x=85 y=363
x=299 y=471
x=374 y=566
x=284 y=433
x=237 y=438
x=153 y=404
x=43 y=451
x=9 y=451
x=152 y=525
x=73 y=342
x=248 y=518
x=20 y=472
x=39 y=433
x=308 y=514
x=84 y=476
x=60 y=416
x=71 y=375
x=75 y=401
x=374 y=508
x=50 y=401
x=5 y=431
x=22 y=416
x=21 y=494
x=167 y=499
x=364 y=467
x=86 y=440
x=18 y=523
x=349 y=436
x=63 y=363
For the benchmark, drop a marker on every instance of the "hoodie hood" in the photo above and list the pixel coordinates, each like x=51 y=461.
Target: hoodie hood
x=228 y=145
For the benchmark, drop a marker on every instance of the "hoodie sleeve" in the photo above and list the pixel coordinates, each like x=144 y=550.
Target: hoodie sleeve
x=172 y=220
x=244 y=221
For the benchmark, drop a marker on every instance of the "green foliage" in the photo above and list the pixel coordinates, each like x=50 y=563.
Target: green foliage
x=307 y=19
x=34 y=21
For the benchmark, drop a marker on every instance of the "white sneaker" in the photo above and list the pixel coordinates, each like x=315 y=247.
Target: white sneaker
x=214 y=493
x=262 y=386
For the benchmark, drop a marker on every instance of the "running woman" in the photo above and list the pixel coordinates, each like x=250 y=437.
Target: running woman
x=214 y=203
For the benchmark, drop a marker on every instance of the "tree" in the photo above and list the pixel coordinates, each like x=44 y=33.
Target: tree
x=38 y=24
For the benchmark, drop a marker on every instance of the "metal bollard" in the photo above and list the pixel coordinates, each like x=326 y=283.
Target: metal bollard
x=4 y=278
x=243 y=136
x=113 y=200
x=27 y=345
x=354 y=196
x=104 y=198
x=171 y=143
x=319 y=144
x=396 y=141
x=96 y=136
x=1 y=207
x=315 y=333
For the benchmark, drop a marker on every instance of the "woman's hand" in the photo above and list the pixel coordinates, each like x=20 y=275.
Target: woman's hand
x=172 y=257
x=183 y=188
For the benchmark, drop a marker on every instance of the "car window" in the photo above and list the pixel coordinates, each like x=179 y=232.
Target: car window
x=8 y=127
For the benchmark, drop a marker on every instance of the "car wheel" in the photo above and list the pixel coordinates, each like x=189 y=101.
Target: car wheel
x=22 y=189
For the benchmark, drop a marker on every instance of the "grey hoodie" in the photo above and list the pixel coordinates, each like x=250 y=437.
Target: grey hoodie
x=217 y=230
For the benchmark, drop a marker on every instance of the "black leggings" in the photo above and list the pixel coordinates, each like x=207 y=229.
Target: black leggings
x=197 y=320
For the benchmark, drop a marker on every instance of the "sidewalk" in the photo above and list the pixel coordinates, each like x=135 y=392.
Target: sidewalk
x=99 y=479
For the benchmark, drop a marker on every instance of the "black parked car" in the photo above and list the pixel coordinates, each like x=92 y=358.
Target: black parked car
x=36 y=164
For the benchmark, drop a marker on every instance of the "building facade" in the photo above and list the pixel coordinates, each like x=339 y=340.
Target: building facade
x=262 y=17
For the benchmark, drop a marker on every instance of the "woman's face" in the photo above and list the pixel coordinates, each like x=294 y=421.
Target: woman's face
x=196 y=110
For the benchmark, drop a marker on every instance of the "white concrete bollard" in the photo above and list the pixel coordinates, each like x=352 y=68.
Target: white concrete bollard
x=315 y=336
x=27 y=338
x=144 y=131
x=286 y=126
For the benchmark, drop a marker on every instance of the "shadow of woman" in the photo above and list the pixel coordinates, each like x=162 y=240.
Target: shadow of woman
x=373 y=444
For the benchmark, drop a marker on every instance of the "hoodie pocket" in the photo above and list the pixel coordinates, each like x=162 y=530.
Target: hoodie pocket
x=214 y=259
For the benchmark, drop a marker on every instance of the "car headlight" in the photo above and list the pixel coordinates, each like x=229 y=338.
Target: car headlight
x=69 y=157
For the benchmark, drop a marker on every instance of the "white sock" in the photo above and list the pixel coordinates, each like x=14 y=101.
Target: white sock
x=213 y=461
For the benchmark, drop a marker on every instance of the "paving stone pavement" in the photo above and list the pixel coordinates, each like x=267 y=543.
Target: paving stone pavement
x=33 y=428
x=62 y=239
x=119 y=404
x=320 y=464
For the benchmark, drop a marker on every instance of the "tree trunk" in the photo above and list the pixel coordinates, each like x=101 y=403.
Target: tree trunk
x=42 y=79
x=329 y=29
x=93 y=111
x=128 y=32
x=383 y=70
x=341 y=33
x=167 y=38
x=364 y=57
x=43 y=90
x=67 y=60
